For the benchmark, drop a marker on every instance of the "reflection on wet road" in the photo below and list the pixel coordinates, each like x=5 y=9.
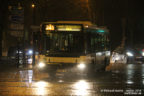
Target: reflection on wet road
x=122 y=80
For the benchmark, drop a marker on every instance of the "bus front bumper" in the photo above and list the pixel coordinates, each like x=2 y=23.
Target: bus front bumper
x=62 y=67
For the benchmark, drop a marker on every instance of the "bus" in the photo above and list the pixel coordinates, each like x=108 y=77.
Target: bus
x=72 y=46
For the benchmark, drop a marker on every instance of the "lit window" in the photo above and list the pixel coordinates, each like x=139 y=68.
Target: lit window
x=49 y=27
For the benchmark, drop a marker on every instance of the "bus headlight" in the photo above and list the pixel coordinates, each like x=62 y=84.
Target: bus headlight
x=81 y=66
x=41 y=65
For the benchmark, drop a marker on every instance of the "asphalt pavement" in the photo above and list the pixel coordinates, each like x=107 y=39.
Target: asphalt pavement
x=118 y=80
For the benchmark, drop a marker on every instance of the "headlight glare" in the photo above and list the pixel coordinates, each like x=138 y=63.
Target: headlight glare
x=41 y=65
x=129 y=54
x=81 y=66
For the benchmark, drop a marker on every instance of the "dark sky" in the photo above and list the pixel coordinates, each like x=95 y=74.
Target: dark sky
x=117 y=15
x=124 y=15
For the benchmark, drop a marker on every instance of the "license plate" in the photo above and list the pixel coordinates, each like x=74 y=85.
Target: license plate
x=61 y=70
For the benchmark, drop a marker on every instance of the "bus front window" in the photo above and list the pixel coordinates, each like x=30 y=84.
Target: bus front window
x=65 y=42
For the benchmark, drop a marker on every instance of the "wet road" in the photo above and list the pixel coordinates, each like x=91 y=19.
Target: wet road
x=122 y=80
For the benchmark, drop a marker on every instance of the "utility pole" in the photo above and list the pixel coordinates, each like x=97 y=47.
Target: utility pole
x=33 y=43
x=89 y=10
x=123 y=32
x=23 y=40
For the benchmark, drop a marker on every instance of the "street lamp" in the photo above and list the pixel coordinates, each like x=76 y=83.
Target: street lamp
x=33 y=12
x=33 y=42
x=33 y=5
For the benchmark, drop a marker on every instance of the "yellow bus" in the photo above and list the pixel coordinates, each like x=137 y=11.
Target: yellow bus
x=66 y=46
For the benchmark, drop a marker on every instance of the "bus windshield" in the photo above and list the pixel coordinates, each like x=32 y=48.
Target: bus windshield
x=64 y=42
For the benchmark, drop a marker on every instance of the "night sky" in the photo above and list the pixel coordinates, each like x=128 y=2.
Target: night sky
x=117 y=15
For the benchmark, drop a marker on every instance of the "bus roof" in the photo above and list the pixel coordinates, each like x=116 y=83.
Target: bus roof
x=101 y=29
x=85 y=23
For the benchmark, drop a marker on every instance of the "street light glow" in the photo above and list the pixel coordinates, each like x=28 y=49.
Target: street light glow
x=33 y=5
x=30 y=52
